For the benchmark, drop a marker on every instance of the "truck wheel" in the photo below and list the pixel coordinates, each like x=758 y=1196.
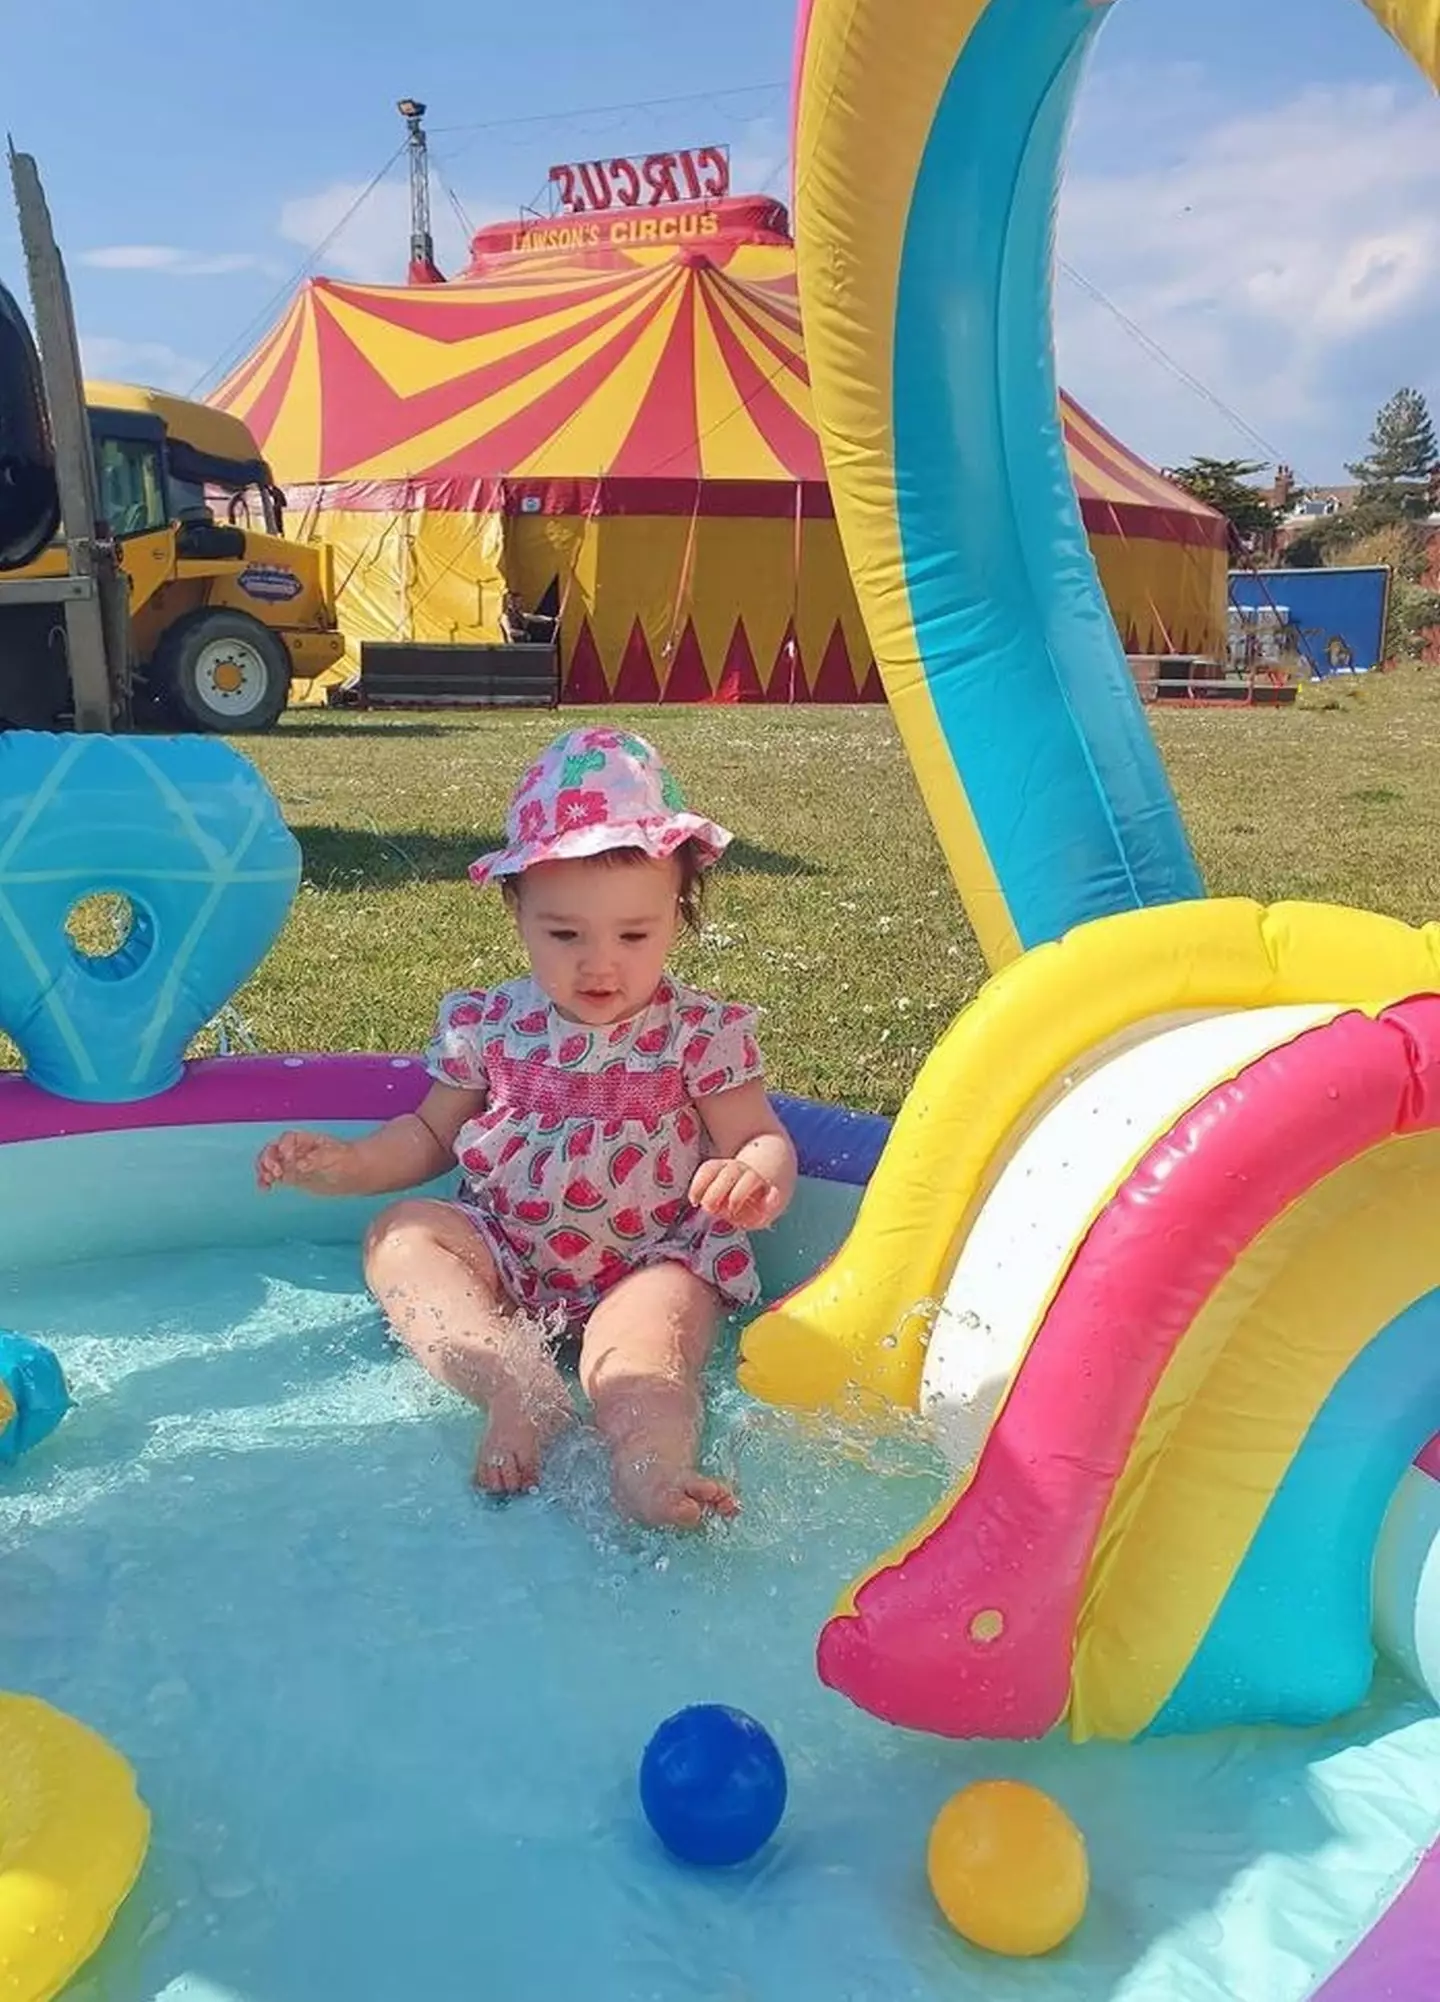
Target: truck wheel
x=223 y=671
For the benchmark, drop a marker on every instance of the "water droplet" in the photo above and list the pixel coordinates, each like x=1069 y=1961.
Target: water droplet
x=228 y=1887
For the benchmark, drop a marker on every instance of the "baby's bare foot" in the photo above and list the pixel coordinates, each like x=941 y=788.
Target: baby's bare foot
x=513 y=1446
x=668 y=1497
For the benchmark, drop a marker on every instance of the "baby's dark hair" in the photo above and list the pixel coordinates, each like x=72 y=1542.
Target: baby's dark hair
x=692 y=879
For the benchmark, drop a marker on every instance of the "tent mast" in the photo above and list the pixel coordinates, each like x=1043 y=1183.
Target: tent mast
x=423 y=268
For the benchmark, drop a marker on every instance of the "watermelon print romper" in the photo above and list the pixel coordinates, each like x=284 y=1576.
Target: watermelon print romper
x=576 y=1172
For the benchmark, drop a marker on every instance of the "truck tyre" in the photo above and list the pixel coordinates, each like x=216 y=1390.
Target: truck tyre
x=223 y=671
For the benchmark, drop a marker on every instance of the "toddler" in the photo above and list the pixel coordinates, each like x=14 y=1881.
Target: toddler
x=614 y=1136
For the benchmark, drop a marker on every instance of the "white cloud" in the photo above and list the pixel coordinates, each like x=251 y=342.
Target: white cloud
x=224 y=262
x=165 y=257
x=1288 y=260
x=131 y=257
x=372 y=243
x=153 y=363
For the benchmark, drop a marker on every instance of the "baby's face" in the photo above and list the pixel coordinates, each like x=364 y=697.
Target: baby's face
x=599 y=933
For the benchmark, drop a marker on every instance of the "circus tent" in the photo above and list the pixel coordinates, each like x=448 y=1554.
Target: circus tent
x=613 y=419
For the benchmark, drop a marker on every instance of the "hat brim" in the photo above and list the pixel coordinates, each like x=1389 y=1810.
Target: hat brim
x=658 y=838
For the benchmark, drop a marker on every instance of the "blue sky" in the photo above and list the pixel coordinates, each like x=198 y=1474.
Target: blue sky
x=1257 y=190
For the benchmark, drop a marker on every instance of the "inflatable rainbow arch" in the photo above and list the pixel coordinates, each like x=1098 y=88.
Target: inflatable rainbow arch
x=1156 y=1240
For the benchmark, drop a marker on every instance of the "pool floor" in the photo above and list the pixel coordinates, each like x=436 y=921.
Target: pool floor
x=388 y=1731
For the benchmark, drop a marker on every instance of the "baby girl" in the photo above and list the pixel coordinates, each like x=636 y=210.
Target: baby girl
x=615 y=1140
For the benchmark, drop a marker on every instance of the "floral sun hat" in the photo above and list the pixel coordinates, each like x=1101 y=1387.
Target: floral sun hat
x=594 y=790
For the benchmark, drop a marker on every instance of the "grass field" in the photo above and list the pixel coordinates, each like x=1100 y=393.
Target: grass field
x=834 y=911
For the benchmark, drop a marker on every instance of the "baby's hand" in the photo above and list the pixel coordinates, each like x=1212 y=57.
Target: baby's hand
x=311 y=1161
x=739 y=1195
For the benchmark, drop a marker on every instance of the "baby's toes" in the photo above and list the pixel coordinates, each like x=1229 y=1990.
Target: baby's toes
x=712 y=1496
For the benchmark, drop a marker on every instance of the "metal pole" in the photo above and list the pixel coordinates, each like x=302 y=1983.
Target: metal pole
x=422 y=242
x=97 y=620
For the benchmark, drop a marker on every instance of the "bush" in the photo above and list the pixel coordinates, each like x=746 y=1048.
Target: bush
x=1413 y=619
x=1414 y=608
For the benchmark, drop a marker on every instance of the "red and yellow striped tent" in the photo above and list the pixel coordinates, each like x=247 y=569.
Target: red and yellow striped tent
x=611 y=416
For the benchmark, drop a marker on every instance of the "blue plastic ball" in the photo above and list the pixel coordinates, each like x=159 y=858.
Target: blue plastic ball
x=32 y=1375
x=712 y=1784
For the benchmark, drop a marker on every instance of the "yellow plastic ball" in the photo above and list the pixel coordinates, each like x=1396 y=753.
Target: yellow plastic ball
x=1008 y=1868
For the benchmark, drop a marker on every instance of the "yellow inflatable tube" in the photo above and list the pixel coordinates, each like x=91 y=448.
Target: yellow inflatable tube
x=858 y=1330
x=73 y=1835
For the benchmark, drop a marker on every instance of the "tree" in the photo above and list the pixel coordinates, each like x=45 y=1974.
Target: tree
x=1323 y=541
x=1397 y=478
x=1224 y=485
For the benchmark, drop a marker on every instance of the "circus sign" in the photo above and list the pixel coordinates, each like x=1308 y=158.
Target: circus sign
x=627 y=232
x=648 y=180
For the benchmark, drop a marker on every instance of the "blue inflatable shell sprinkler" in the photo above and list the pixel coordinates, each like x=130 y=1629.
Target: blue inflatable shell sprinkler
x=187 y=834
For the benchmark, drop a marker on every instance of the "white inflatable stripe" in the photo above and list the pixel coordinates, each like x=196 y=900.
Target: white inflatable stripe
x=1061 y=1176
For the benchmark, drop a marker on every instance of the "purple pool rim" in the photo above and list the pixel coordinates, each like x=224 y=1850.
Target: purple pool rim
x=222 y=1091
x=834 y=1143
x=1398 y=1960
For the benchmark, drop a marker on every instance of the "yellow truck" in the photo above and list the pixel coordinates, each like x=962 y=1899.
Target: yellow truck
x=224 y=612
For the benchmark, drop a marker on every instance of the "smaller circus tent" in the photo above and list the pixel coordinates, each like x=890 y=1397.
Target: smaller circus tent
x=612 y=417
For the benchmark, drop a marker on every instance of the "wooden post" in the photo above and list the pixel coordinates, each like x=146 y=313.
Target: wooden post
x=97 y=620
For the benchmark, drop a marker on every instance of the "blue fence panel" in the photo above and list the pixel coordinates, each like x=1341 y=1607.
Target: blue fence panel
x=1333 y=619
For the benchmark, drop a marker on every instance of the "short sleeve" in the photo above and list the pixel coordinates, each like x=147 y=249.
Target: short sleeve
x=721 y=1051
x=455 y=1053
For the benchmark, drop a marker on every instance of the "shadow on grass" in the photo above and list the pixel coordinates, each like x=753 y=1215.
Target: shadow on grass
x=358 y=858
x=302 y=724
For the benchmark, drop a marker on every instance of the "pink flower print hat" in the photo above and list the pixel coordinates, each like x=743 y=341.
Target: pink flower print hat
x=594 y=790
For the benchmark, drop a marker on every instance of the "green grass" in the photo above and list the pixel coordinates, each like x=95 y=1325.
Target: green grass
x=834 y=910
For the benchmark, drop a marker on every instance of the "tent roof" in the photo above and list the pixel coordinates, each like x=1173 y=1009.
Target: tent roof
x=564 y=355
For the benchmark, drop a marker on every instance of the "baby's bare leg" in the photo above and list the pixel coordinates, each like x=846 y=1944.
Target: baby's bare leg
x=441 y=1292
x=644 y=1351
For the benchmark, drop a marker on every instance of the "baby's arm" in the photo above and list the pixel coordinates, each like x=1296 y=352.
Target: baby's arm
x=401 y=1154
x=752 y=1181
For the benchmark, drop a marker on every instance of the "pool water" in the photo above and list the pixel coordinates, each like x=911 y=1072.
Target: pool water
x=389 y=1730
